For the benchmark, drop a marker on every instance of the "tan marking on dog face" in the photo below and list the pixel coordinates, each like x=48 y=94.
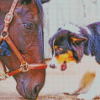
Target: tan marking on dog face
x=59 y=49
x=75 y=39
x=55 y=46
x=68 y=57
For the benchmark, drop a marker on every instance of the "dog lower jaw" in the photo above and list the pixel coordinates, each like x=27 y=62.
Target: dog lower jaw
x=64 y=66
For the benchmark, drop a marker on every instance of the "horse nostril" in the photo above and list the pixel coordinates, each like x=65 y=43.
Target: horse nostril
x=36 y=89
x=52 y=65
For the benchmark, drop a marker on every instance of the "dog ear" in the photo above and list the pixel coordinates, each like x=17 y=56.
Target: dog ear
x=78 y=39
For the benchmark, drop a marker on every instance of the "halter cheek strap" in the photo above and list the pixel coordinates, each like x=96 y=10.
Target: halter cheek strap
x=24 y=67
x=9 y=16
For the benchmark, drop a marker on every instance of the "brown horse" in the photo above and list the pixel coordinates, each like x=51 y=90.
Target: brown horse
x=26 y=32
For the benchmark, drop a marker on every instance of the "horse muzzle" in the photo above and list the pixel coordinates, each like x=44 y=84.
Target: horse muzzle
x=27 y=90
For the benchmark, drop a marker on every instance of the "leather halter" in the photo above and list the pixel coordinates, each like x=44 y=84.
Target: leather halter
x=24 y=67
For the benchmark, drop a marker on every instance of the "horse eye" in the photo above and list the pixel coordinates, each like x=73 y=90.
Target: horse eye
x=28 y=26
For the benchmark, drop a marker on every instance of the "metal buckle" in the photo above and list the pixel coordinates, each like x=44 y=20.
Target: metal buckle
x=24 y=67
x=8 y=18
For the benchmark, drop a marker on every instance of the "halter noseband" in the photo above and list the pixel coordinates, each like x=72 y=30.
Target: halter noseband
x=24 y=67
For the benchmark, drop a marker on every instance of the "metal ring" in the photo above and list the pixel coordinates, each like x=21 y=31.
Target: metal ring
x=24 y=67
x=3 y=34
x=8 y=17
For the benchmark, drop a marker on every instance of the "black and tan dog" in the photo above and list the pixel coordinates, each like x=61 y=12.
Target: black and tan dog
x=80 y=45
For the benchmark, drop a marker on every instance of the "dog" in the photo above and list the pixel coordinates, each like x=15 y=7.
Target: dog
x=80 y=46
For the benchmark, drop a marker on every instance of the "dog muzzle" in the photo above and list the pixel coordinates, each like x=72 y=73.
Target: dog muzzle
x=64 y=66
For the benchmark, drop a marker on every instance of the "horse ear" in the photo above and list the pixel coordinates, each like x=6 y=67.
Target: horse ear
x=44 y=1
x=25 y=1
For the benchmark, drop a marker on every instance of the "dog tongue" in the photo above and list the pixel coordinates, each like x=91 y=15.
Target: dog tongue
x=63 y=66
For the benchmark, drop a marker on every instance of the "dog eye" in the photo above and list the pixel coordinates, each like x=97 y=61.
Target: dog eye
x=60 y=49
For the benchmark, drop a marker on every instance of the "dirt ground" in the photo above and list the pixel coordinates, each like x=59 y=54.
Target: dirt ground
x=53 y=89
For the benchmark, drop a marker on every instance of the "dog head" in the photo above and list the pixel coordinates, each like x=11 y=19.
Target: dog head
x=66 y=46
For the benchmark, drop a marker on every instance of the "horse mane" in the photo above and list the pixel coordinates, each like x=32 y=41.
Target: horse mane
x=40 y=11
x=41 y=35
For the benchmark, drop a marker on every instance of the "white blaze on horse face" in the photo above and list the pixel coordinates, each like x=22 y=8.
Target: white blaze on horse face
x=71 y=28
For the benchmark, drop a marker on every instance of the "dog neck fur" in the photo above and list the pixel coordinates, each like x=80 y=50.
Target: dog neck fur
x=89 y=32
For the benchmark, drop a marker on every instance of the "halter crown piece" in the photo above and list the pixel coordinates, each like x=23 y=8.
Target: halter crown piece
x=24 y=67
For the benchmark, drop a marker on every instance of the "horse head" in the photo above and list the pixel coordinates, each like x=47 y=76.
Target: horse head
x=26 y=32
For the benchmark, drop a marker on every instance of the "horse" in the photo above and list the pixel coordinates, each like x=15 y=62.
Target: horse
x=26 y=34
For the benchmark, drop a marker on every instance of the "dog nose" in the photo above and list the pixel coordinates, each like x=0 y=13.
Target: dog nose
x=52 y=65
